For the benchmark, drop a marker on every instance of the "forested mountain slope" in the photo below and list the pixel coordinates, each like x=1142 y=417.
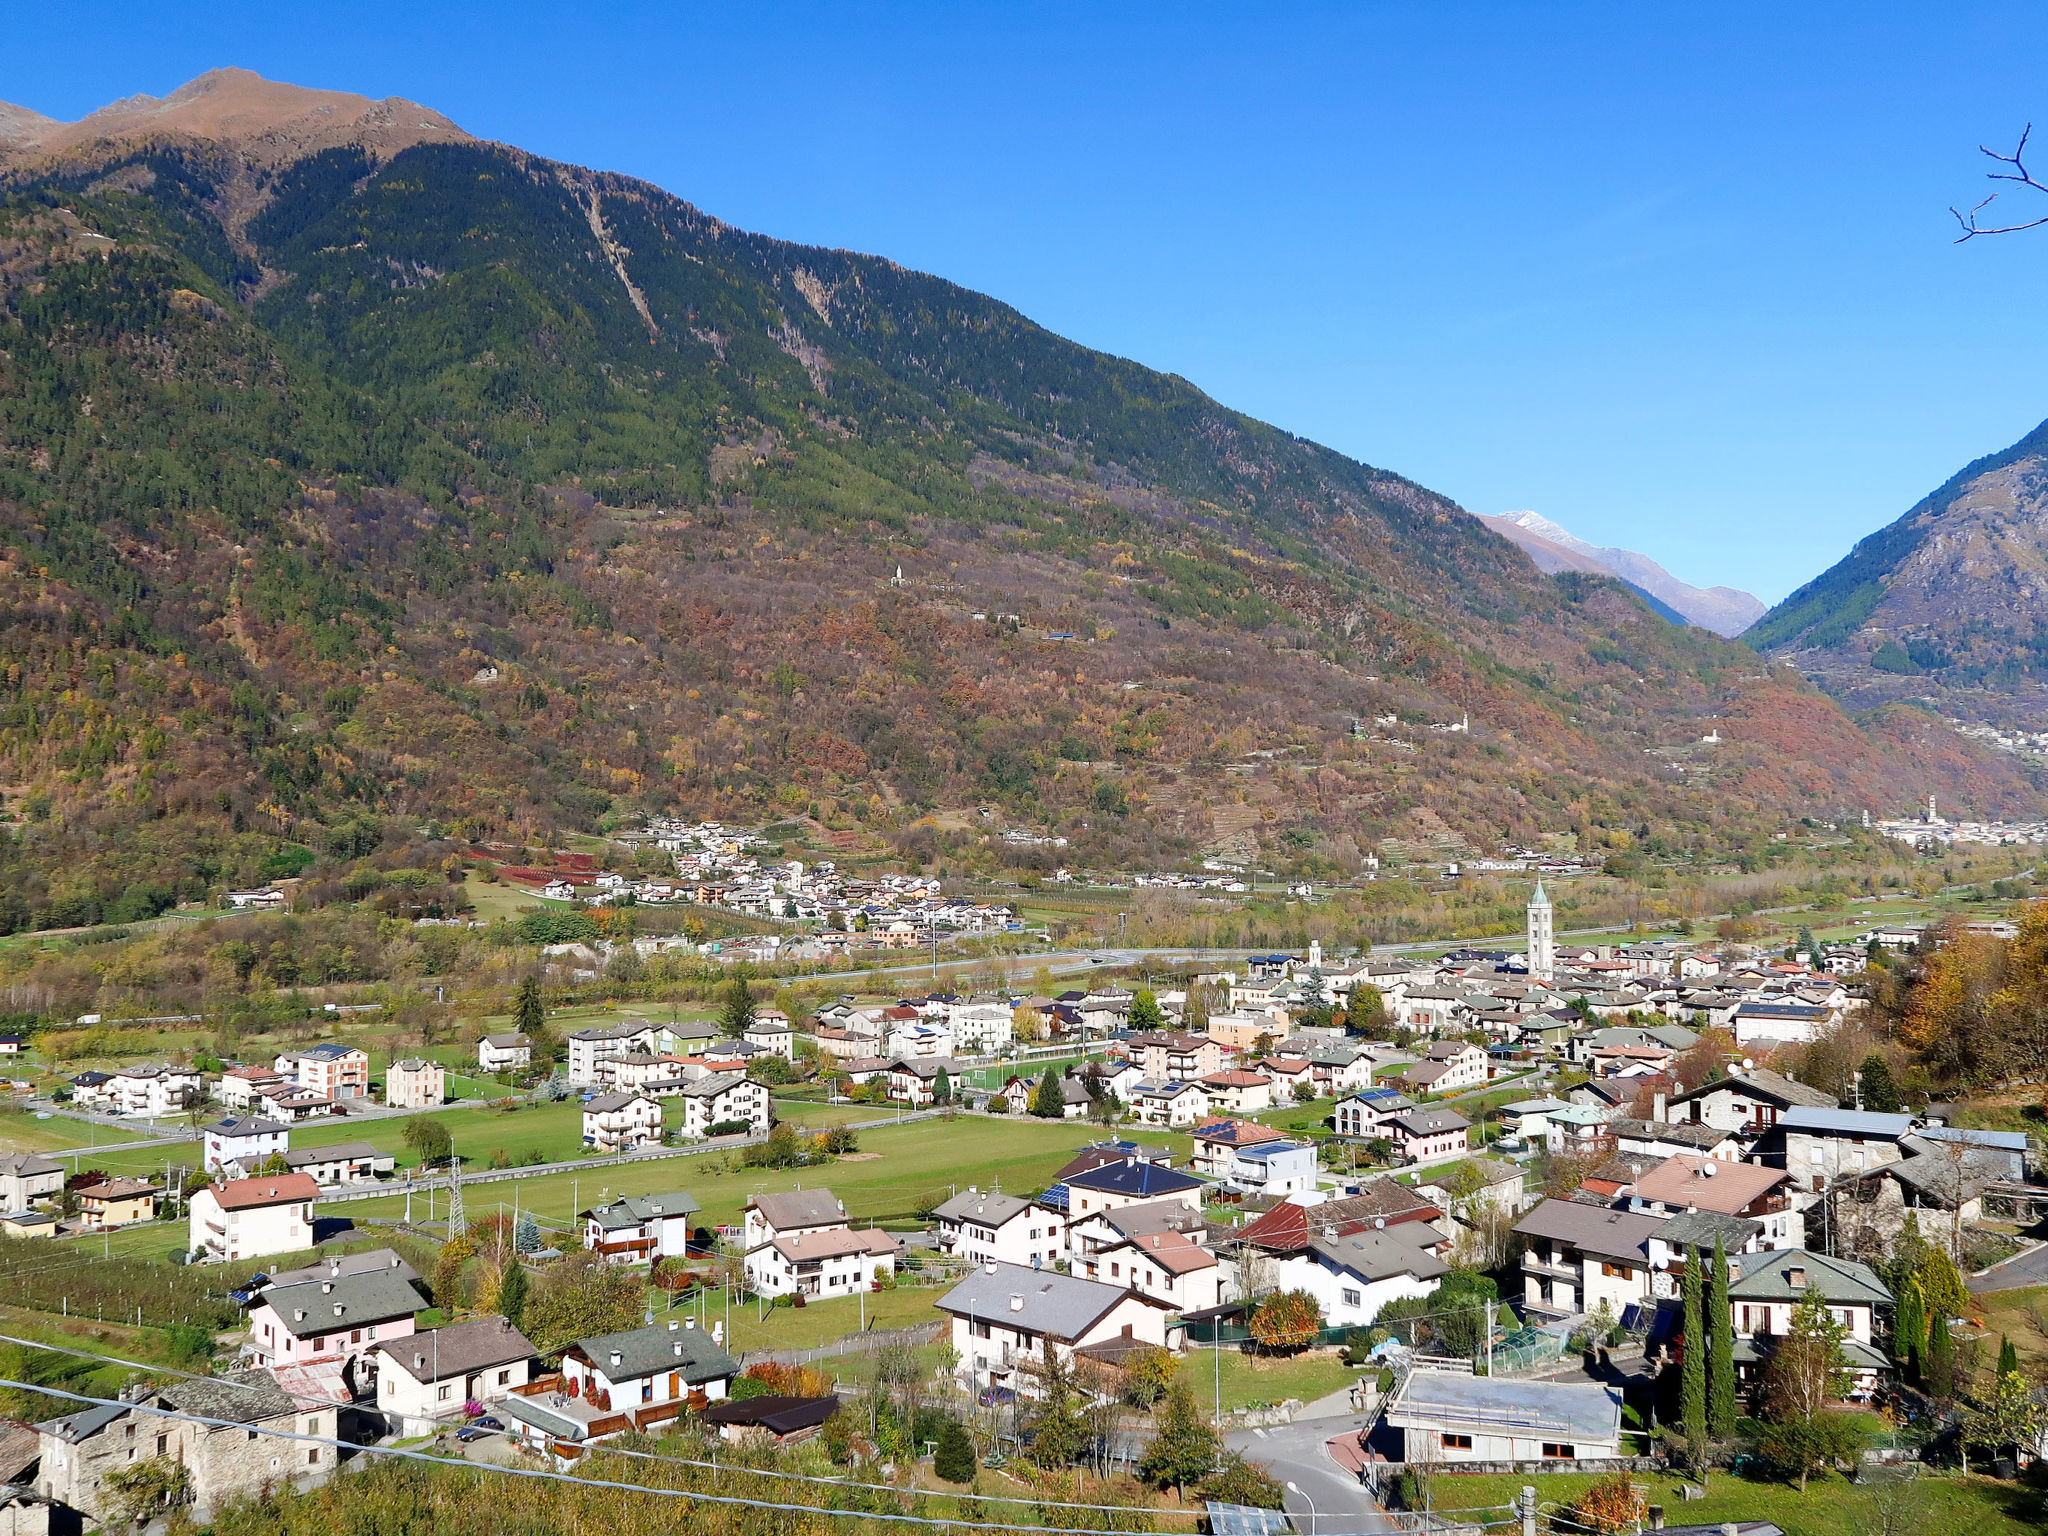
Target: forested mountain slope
x=435 y=480
x=1948 y=605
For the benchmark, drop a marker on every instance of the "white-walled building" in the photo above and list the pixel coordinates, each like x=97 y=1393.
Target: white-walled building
x=1353 y=1275
x=720 y=1098
x=426 y=1378
x=508 y=1052
x=640 y=1229
x=333 y=1317
x=416 y=1084
x=154 y=1092
x=620 y=1121
x=244 y=1142
x=1004 y=1318
x=252 y=1218
x=821 y=1265
x=983 y=1226
x=1449 y=1417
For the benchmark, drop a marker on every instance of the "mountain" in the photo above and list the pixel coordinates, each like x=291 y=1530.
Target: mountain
x=357 y=476
x=1727 y=611
x=1947 y=606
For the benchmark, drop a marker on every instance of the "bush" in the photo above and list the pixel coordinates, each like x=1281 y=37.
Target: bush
x=954 y=1459
x=730 y=1128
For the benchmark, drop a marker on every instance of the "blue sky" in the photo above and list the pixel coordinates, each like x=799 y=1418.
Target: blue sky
x=1680 y=278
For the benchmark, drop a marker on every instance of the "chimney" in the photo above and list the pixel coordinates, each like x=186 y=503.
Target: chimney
x=1016 y=1301
x=673 y=1325
x=718 y=1333
x=616 y=1359
x=678 y=1347
x=326 y=1286
x=1657 y=1107
x=339 y=1309
x=990 y=1267
x=689 y=1326
x=1796 y=1277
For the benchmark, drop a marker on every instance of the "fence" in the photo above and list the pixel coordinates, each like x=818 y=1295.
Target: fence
x=852 y=1344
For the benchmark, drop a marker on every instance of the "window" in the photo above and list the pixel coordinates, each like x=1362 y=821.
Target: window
x=504 y=1378
x=1456 y=1442
x=313 y=1457
x=1352 y=1298
x=163 y=1444
x=444 y=1393
x=1617 y=1271
x=1555 y=1452
x=647 y=1390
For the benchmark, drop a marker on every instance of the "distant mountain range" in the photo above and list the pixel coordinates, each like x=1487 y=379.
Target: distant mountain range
x=1724 y=610
x=1947 y=606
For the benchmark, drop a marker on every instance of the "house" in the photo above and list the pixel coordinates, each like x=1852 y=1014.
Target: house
x=116 y=1203
x=727 y=1099
x=640 y=1229
x=1449 y=1417
x=982 y=1028
x=989 y=1226
x=1770 y=1287
x=1937 y=1181
x=1380 y=1204
x=252 y=1218
x=1075 y=1100
x=1501 y=1186
x=1238 y=1091
x=89 y=1089
x=416 y=1084
x=331 y=1070
x=1354 y=1274
x=1995 y=1154
x=916 y=1081
x=26 y=1178
x=1130 y=1182
x=1100 y=1231
x=21 y=1223
x=788 y=1213
x=1170 y=1103
x=1005 y=1318
x=1217 y=1143
x=590 y=1049
x=1748 y=1190
x=1747 y=1102
x=1450 y=1066
x=1818 y=1148
x=1776 y=1023
x=503 y=1053
x=614 y=1122
x=619 y=1382
x=1169 y=1056
x=242 y=1087
x=1662 y=1138
x=333 y=1317
x=823 y=1264
x=771 y=1031
x=1578 y=1128
x=1423 y=1135
x=333 y=1266
x=429 y=1376
x=1578 y=1256
x=1363 y=1116
x=1273 y=1168
x=245 y=1142
x=1240 y=1033
x=776 y=1419
x=345 y=1162
x=1171 y=1267
x=154 y=1092
x=227 y=1432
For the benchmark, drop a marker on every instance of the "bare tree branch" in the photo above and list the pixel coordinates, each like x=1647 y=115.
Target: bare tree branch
x=2020 y=174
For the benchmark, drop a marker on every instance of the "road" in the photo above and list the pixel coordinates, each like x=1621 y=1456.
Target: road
x=2029 y=1268
x=1295 y=1454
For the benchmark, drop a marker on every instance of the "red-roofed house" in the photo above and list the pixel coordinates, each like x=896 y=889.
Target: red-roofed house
x=1217 y=1142
x=253 y=1218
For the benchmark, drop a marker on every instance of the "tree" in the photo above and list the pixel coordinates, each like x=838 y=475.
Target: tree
x=1184 y=1448
x=942 y=1088
x=1146 y=1012
x=512 y=1290
x=580 y=1296
x=1807 y=1373
x=1807 y=942
x=1061 y=1428
x=428 y=1137
x=1148 y=1376
x=1938 y=1368
x=529 y=1010
x=953 y=1458
x=1692 y=1395
x=736 y=1016
x=1720 y=1349
x=1237 y=1481
x=1287 y=1320
x=1880 y=1089
x=1047 y=1102
x=1613 y=1504
x=1909 y=1329
x=2008 y=1357
x=146 y=1489
x=2009 y=1417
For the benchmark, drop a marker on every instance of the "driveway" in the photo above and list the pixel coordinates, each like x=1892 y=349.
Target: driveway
x=1331 y=1499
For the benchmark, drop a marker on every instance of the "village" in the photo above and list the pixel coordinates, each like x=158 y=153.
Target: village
x=1478 y=1201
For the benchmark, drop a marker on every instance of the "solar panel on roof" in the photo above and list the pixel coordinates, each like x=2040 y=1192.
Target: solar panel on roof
x=1247 y=1520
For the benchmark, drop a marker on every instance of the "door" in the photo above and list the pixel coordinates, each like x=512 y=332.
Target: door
x=675 y=1385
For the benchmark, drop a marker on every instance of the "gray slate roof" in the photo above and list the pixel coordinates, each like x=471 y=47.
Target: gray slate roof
x=1060 y=1306
x=1380 y=1254
x=1495 y=1405
x=1593 y=1229
x=457 y=1349
x=348 y=1264
x=661 y=1347
x=26 y=1165
x=638 y=1210
x=1767 y=1277
x=1699 y=1229
x=984 y=1207
x=785 y=1209
x=247 y=1397
x=340 y=1152
x=1814 y=1119
x=374 y=1296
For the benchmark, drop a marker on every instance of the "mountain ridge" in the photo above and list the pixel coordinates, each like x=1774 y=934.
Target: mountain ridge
x=457 y=486
x=1727 y=611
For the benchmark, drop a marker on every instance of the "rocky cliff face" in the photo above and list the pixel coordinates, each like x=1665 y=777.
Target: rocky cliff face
x=1948 y=606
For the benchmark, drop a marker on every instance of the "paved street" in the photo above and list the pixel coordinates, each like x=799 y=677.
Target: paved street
x=2028 y=1269
x=1295 y=1453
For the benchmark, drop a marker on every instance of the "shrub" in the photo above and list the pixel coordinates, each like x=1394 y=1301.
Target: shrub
x=954 y=1458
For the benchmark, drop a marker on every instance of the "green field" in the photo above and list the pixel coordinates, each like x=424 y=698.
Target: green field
x=1829 y=1507
x=896 y=1166
x=751 y=1326
x=1250 y=1380
x=23 y=1132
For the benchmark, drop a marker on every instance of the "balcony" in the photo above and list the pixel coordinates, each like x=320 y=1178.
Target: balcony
x=1534 y=1266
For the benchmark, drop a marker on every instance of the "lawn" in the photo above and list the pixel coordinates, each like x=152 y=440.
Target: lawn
x=1255 y=1379
x=2020 y=1315
x=897 y=1166
x=750 y=1326
x=23 y=1132
x=811 y=1112
x=1830 y=1507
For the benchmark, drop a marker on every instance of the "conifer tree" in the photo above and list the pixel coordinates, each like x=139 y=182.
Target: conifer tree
x=942 y=1088
x=1939 y=1370
x=1909 y=1329
x=953 y=1457
x=1880 y=1088
x=512 y=1292
x=529 y=1012
x=2008 y=1357
x=1720 y=1350
x=1692 y=1398
x=1047 y=1103
x=1184 y=1449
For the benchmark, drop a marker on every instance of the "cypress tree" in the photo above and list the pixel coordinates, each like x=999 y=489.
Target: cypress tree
x=1880 y=1088
x=512 y=1293
x=1909 y=1329
x=1940 y=1369
x=1047 y=1103
x=1721 y=1351
x=1692 y=1398
x=2008 y=1357
x=529 y=1013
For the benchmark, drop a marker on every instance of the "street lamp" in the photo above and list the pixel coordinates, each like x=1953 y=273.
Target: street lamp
x=1311 y=1503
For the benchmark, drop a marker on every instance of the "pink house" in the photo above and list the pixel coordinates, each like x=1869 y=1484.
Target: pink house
x=335 y=1317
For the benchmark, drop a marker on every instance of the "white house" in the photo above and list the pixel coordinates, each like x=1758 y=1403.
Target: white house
x=984 y=1226
x=1238 y=1091
x=343 y=1162
x=785 y=1213
x=503 y=1053
x=1363 y=1116
x=1769 y=1288
x=1450 y=1066
x=416 y=1084
x=1171 y=1267
x=616 y=1121
x=152 y=1091
x=589 y=1049
x=1449 y=1417
x=1169 y=1103
x=1005 y=1317
x=427 y=1377
x=1274 y=1168
x=1354 y=1275
x=771 y=1031
x=981 y=1029
x=721 y=1099
x=252 y=1218
x=821 y=1265
x=242 y=1087
x=640 y=1229
x=26 y=1178
x=245 y=1141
